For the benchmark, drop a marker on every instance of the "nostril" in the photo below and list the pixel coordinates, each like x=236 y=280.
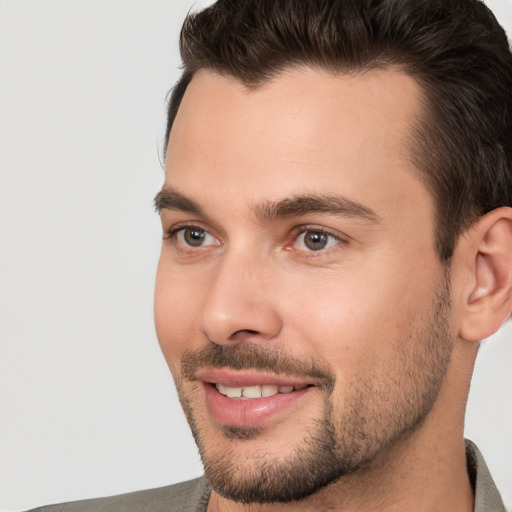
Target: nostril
x=244 y=334
x=236 y=335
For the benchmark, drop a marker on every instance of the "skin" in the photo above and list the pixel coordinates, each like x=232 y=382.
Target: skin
x=356 y=308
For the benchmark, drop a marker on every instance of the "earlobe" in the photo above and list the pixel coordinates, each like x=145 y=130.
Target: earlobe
x=489 y=300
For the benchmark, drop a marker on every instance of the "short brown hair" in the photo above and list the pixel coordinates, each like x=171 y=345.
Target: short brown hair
x=455 y=49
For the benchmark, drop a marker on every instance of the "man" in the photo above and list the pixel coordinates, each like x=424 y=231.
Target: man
x=337 y=241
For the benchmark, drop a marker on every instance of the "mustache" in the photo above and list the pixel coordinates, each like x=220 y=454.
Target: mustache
x=254 y=357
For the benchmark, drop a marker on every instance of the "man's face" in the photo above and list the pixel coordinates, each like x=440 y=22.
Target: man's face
x=298 y=270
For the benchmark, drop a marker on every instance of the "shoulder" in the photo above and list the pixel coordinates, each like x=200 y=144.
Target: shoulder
x=191 y=496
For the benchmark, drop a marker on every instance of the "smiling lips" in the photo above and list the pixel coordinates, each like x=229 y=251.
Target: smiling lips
x=250 y=399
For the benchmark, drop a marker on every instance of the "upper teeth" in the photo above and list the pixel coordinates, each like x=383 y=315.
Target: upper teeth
x=255 y=391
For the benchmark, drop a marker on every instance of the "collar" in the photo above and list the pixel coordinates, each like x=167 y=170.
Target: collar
x=487 y=496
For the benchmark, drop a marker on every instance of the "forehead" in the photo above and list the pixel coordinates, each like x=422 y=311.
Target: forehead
x=306 y=129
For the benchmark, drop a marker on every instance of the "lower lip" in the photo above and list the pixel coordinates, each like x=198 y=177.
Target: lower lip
x=249 y=413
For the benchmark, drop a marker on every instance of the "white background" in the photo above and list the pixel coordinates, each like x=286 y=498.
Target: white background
x=87 y=406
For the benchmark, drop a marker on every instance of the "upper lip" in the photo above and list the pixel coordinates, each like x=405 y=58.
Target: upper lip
x=237 y=379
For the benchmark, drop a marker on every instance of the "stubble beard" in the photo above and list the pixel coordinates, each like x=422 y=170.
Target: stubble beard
x=332 y=447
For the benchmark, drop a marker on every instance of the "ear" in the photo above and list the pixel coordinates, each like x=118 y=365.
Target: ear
x=487 y=302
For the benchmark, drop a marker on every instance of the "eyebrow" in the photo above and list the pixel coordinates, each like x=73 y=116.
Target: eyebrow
x=317 y=203
x=170 y=199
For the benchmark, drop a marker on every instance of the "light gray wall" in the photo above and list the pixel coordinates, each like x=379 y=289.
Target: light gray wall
x=87 y=407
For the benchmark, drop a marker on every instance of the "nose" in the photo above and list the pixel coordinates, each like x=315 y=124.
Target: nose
x=241 y=303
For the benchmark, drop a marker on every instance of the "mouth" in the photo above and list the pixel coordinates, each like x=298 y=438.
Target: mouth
x=249 y=399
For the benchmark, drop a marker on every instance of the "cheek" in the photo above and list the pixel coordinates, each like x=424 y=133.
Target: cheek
x=176 y=304
x=356 y=322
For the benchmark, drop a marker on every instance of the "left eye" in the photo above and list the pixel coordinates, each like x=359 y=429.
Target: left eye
x=195 y=237
x=312 y=240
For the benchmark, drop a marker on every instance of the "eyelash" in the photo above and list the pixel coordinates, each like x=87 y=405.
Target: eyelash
x=174 y=231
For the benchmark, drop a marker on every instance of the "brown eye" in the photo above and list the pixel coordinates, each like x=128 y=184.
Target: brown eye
x=194 y=236
x=312 y=240
x=315 y=241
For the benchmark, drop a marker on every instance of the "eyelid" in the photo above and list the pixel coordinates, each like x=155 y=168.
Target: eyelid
x=174 y=228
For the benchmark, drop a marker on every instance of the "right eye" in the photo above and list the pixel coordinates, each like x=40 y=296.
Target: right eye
x=192 y=237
